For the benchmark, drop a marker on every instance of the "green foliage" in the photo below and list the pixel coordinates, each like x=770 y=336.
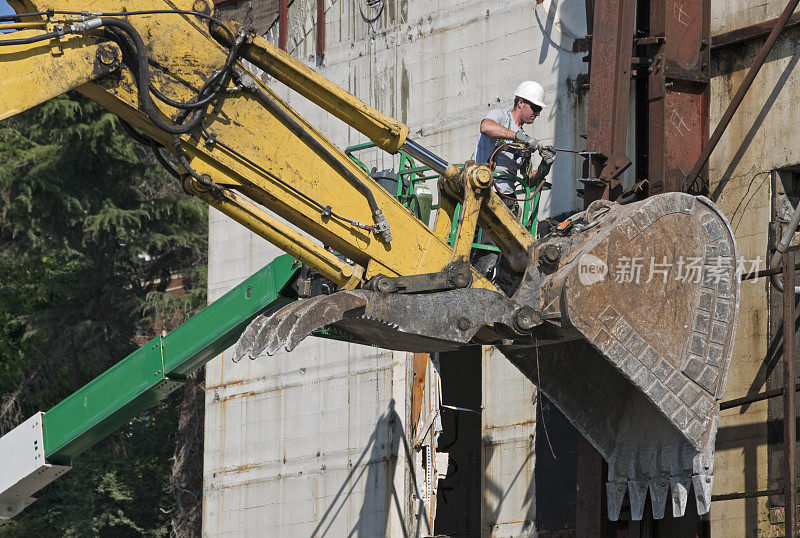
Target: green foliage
x=92 y=231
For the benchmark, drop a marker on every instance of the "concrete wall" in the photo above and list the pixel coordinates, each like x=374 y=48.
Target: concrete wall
x=303 y=443
x=315 y=442
x=760 y=138
x=508 y=439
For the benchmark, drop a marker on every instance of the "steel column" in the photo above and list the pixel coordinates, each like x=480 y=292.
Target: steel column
x=789 y=379
x=678 y=90
x=609 y=95
x=740 y=93
x=320 y=31
x=283 y=14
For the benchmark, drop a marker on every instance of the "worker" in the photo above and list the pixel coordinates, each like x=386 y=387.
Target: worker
x=499 y=126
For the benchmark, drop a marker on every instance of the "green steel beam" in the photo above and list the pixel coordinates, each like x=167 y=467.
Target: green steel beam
x=153 y=371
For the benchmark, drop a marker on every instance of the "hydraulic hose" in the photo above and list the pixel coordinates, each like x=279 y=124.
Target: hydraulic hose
x=781 y=247
x=142 y=72
x=153 y=145
x=223 y=74
x=29 y=40
x=381 y=225
x=210 y=90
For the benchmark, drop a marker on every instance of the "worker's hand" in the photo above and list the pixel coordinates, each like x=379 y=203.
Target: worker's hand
x=548 y=154
x=529 y=141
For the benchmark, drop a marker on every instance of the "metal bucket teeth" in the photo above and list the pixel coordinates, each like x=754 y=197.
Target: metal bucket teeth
x=703 y=485
x=659 y=490
x=267 y=335
x=644 y=380
x=252 y=337
x=289 y=325
x=680 y=494
x=637 y=493
x=425 y=322
x=326 y=310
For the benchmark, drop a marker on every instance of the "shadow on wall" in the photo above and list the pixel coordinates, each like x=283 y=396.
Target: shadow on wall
x=729 y=68
x=495 y=494
x=726 y=69
x=378 y=461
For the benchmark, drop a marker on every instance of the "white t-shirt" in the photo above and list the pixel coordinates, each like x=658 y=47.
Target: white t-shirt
x=505 y=161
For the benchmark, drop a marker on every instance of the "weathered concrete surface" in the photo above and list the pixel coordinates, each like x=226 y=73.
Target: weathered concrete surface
x=734 y=14
x=440 y=66
x=508 y=437
x=760 y=138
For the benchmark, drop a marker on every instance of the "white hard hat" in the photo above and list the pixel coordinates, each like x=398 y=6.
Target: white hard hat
x=531 y=91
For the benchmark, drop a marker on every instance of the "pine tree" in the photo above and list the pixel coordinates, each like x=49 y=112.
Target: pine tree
x=91 y=232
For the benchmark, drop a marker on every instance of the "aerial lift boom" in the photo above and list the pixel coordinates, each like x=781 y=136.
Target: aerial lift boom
x=636 y=364
x=42 y=448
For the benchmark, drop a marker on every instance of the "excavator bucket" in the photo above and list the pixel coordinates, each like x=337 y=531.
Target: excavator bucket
x=624 y=318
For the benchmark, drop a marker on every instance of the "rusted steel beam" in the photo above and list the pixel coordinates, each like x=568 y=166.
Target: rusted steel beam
x=744 y=400
x=320 y=30
x=609 y=93
x=746 y=495
x=740 y=93
x=283 y=14
x=678 y=91
x=789 y=381
x=749 y=33
x=765 y=272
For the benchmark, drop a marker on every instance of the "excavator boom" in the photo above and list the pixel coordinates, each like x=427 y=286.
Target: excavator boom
x=637 y=363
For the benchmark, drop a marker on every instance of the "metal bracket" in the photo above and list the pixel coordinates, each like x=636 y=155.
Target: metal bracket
x=455 y=275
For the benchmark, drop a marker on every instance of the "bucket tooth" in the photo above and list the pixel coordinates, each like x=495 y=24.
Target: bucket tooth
x=680 y=494
x=637 y=493
x=703 y=485
x=292 y=323
x=326 y=310
x=273 y=335
x=659 y=491
x=253 y=337
x=615 y=494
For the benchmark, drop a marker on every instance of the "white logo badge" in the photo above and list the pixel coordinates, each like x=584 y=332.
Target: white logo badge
x=591 y=269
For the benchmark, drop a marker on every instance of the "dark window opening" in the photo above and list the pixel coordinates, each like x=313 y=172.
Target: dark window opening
x=458 y=500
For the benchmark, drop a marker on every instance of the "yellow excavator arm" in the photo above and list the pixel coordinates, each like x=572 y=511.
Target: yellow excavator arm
x=638 y=367
x=247 y=147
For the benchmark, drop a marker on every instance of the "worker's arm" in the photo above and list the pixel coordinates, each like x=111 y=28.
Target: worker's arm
x=492 y=129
